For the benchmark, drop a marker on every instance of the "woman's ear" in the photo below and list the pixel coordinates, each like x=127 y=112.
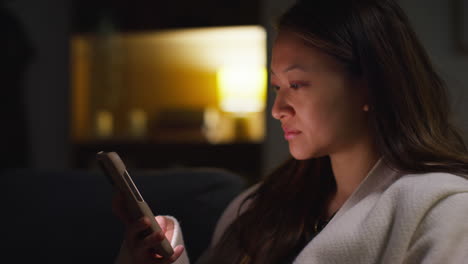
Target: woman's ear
x=363 y=88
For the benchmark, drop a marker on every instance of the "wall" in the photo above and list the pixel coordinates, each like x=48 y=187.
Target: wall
x=47 y=84
x=435 y=25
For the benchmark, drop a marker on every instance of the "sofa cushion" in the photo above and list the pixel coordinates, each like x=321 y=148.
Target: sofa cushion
x=66 y=217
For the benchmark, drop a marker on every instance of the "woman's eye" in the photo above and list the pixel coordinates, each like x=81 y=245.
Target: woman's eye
x=295 y=85
x=275 y=88
x=298 y=84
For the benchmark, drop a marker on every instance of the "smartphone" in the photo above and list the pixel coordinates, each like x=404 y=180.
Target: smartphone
x=117 y=174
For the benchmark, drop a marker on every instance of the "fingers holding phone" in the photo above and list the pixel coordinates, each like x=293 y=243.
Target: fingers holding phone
x=143 y=245
x=145 y=237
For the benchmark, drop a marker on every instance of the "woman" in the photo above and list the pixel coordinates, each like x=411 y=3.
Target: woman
x=377 y=174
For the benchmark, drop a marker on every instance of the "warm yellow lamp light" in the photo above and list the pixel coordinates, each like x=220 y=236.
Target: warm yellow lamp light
x=242 y=89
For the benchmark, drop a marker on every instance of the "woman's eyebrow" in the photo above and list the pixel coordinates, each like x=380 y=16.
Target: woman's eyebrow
x=292 y=67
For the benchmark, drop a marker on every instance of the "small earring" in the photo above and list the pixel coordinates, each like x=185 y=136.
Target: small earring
x=366 y=108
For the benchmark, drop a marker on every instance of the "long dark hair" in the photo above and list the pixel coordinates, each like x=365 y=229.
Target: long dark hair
x=409 y=119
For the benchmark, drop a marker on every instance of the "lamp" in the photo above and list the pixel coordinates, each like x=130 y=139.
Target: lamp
x=242 y=89
x=242 y=92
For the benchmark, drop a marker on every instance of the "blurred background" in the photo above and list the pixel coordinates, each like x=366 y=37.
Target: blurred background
x=166 y=83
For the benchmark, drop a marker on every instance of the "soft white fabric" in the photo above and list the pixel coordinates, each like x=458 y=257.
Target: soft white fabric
x=389 y=218
x=392 y=218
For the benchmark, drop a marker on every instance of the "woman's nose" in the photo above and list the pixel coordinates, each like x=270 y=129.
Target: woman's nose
x=281 y=108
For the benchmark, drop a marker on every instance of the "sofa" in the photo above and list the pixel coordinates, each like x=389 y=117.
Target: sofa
x=66 y=217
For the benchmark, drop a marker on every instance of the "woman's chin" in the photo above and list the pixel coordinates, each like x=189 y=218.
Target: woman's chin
x=300 y=152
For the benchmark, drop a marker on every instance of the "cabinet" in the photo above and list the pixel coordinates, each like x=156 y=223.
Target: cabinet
x=141 y=78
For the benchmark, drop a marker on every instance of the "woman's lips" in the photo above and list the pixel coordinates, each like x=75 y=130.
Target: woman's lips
x=290 y=134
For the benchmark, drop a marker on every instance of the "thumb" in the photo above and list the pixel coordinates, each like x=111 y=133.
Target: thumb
x=162 y=221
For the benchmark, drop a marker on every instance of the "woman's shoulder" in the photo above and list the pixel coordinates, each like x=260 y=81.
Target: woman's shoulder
x=442 y=182
x=442 y=231
x=426 y=189
x=232 y=210
x=248 y=191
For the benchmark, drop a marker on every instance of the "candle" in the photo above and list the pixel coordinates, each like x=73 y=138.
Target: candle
x=138 y=123
x=104 y=124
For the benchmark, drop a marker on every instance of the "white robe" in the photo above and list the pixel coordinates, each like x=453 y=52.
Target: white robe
x=390 y=218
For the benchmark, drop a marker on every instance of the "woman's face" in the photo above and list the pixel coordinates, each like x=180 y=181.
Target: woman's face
x=319 y=104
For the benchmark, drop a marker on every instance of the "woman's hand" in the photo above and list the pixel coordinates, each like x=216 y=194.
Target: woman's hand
x=141 y=246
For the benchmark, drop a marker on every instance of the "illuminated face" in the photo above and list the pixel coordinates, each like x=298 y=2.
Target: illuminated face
x=319 y=104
